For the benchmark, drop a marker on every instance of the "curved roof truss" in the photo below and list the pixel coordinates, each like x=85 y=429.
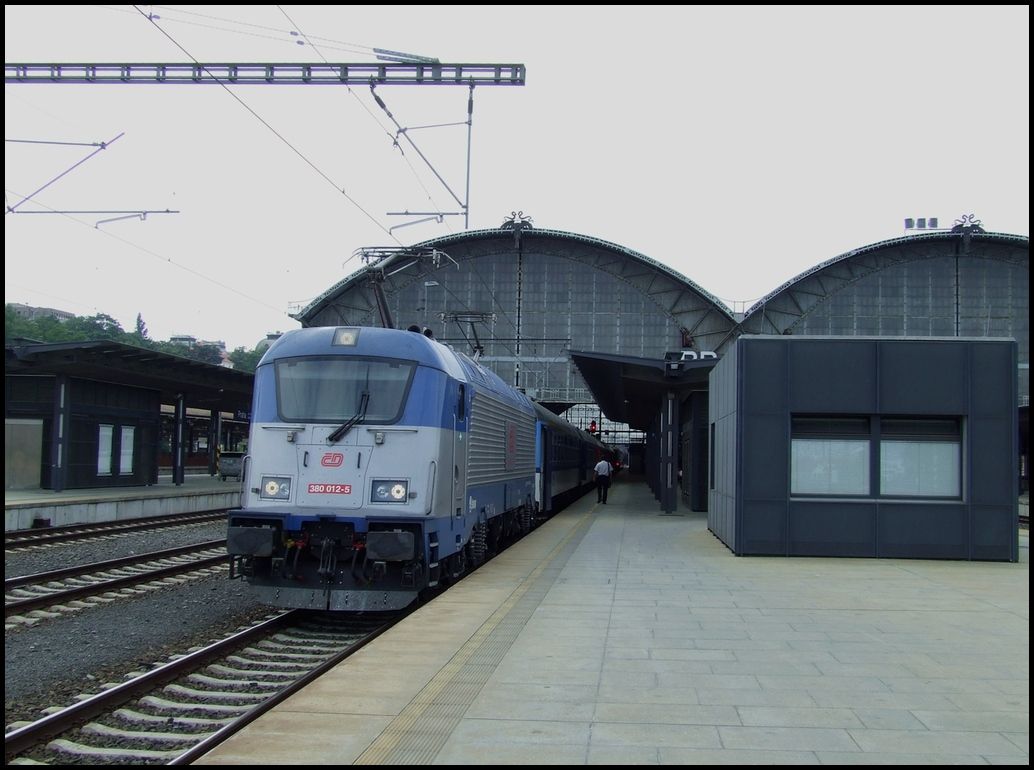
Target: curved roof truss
x=700 y=314
x=783 y=309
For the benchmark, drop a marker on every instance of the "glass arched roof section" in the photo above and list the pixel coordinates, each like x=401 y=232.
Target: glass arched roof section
x=527 y=296
x=946 y=284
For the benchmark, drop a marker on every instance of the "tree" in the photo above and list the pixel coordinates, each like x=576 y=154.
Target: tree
x=95 y=327
x=208 y=354
x=104 y=327
x=245 y=360
x=18 y=327
x=50 y=329
x=139 y=337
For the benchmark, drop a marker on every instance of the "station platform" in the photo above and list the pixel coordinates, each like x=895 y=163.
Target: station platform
x=617 y=634
x=199 y=492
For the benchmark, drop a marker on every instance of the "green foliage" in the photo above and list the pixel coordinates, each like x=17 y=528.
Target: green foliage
x=50 y=329
x=172 y=348
x=96 y=327
x=209 y=354
x=16 y=327
x=104 y=327
x=246 y=360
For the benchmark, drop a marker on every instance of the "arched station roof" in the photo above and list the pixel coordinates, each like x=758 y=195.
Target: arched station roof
x=540 y=293
x=666 y=287
x=963 y=283
x=786 y=307
x=529 y=296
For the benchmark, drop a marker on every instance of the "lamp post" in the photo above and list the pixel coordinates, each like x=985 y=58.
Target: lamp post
x=426 y=285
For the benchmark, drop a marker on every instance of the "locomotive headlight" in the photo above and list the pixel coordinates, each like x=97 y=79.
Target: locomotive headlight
x=276 y=488
x=389 y=491
x=346 y=336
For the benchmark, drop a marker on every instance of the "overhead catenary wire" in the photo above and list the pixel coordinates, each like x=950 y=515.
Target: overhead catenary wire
x=140 y=214
x=283 y=36
x=467 y=307
x=280 y=136
x=373 y=116
x=153 y=18
x=47 y=141
x=420 y=181
x=324 y=41
x=349 y=87
x=65 y=300
x=405 y=133
x=156 y=255
x=136 y=212
x=308 y=39
x=62 y=119
x=102 y=146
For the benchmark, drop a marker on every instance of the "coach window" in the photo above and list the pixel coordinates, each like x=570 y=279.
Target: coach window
x=921 y=457
x=829 y=456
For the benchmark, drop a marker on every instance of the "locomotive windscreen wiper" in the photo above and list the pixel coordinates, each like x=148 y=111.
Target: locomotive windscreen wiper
x=340 y=433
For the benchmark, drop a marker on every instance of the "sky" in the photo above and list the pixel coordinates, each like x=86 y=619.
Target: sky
x=739 y=145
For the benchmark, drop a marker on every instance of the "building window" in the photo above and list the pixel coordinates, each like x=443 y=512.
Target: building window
x=829 y=456
x=104 y=449
x=921 y=458
x=125 y=462
x=918 y=457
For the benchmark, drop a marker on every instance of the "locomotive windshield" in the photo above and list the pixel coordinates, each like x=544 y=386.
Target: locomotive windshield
x=335 y=389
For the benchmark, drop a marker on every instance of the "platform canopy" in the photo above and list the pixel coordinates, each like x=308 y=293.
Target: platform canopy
x=630 y=389
x=201 y=385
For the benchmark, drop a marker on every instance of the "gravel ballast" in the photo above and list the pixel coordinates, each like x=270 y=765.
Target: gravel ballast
x=29 y=561
x=48 y=664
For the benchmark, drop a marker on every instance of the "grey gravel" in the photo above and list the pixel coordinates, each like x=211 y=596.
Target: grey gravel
x=43 y=559
x=50 y=663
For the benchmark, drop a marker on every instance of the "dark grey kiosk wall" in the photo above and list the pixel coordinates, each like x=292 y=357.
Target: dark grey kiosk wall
x=855 y=446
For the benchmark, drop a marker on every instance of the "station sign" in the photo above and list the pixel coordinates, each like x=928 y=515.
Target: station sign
x=690 y=355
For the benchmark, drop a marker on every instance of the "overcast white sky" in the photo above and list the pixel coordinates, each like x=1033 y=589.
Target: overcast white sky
x=739 y=146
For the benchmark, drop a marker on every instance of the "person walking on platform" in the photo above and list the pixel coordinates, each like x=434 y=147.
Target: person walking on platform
x=601 y=474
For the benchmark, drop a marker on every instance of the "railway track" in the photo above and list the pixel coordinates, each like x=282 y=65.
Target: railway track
x=73 y=588
x=31 y=538
x=178 y=711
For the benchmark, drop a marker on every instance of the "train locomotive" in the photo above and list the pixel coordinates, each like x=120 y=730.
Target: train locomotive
x=382 y=463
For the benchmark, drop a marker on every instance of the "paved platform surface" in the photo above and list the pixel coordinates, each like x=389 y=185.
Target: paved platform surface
x=193 y=483
x=620 y=635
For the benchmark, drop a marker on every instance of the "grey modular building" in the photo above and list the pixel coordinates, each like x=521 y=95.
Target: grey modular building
x=855 y=446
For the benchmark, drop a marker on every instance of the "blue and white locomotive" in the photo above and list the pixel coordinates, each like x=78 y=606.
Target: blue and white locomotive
x=382 y=462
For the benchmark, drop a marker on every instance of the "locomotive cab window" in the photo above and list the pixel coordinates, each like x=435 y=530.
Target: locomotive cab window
x=333 y=389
